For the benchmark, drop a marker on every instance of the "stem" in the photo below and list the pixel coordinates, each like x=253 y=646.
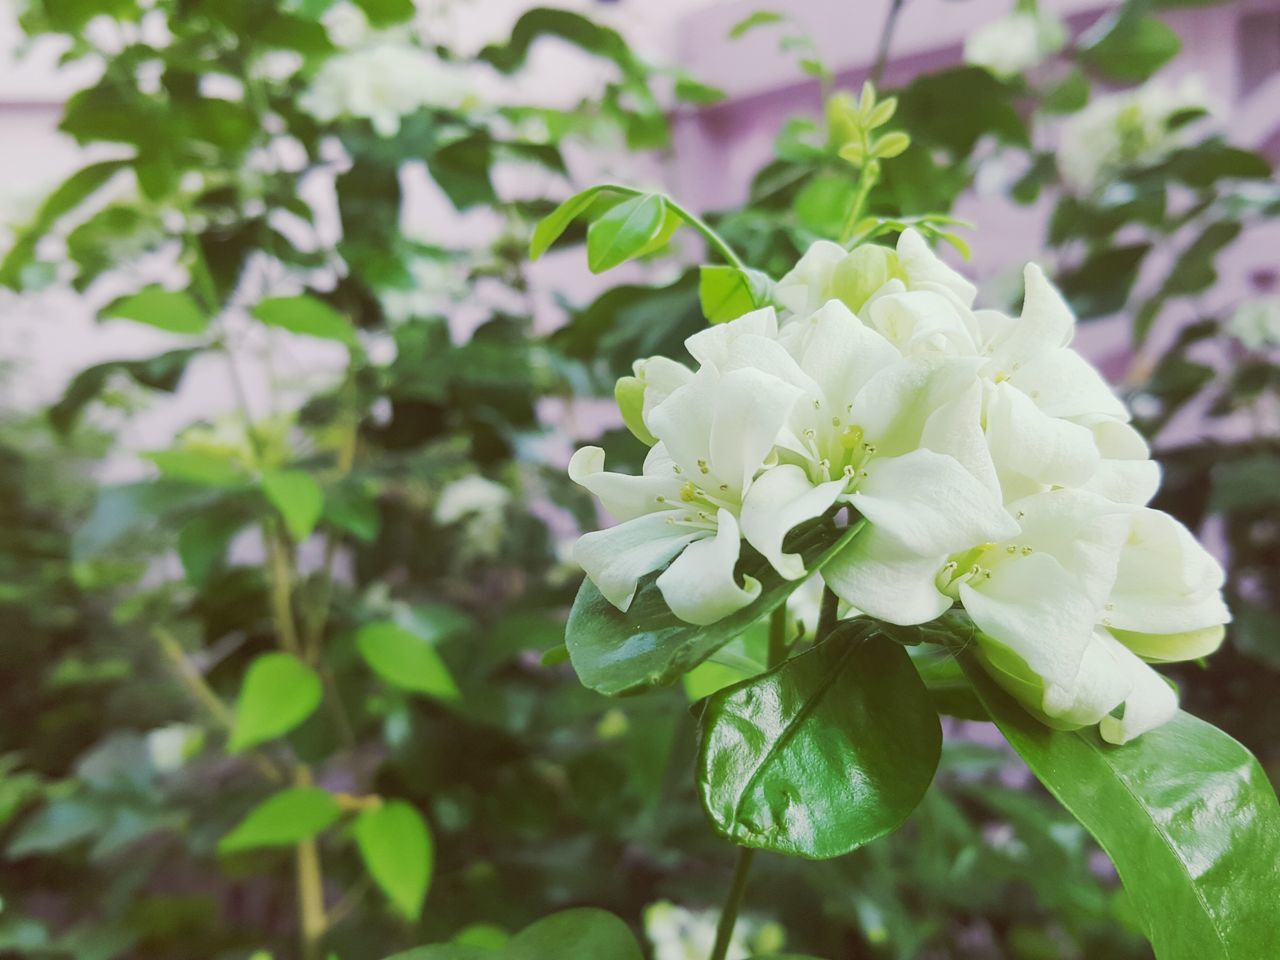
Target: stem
x=281 y=589
x=868 y=177
x=729 y=916
x=310 y=897
x=886 y=37
x=827 y=618
x=777 y=636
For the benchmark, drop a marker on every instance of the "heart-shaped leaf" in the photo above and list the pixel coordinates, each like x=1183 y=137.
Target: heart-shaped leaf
x=618 y=653
x=280 y=691
x=396 y=847
x=822 y=754
x=1185 y=813
x=283 y=819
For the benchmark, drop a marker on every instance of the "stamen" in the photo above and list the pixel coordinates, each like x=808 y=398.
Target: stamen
x=703 y=466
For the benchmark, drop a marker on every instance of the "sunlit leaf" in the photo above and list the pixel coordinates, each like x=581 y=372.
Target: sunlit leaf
x=279 y=692
x=396 y=848
x=283 y=819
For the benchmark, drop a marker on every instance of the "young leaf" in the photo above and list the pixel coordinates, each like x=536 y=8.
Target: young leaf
x=822 y=754
x=169 y=310
x=726 y=292
x=757 y=19
x=306 y=315
x=298 y=497
x=1185 y=813
x=279 y=692
x=617 y=653
x=557 y=221
x=404 y=659
x=283 y=819
x=204 y=467
x=397 y=850
x=625 y=231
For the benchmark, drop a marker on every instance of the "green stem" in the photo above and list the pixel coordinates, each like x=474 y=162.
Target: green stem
x=868 y=177
x=729 y=916
x=777 y=636
x=827 y=618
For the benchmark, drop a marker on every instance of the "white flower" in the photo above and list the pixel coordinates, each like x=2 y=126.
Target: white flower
x=381 y=83
x=680 y=934
x=1127 y=129
x=470 y=495
x=1015 y=43
x=170 y=747
x=1256 y=324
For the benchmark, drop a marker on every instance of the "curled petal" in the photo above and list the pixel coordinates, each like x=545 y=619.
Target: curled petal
x=617 y=557
x=624 y=496
x=778 y=500
x=1150 y=702
x=700 y=585
x=924 y=269
x=1032 y=450
x=710 y=347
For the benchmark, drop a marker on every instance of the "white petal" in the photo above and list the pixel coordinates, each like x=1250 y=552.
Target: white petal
x=1126 y=472
x=882 y=578
x=922 y=321
x=780 y=498
x=803 y=289
x=922 y=266
x=1027 y=444
x=710 y=347
x=839 y=352
x=1100 y=685
x=1172 y=647
x=1167 y=582
x=700 y=586
x=1064 y=384
x=662 y=377
x=1150 y=703
x=617 y=557
x=930 y=504
x=1033 y=606
x=625 y=497
x=954 y=428
x=1046 y=323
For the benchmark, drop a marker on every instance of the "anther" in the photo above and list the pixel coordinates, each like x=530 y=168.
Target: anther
x=704 y=466
x=1026 y=551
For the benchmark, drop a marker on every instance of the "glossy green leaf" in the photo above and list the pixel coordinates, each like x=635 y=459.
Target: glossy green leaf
x=170 y=310
x=299 y=498
x=283 y=819
x=406 y=660
x=726 y=292
x=583 y=932
x=618 y=653
x=306 y=315
x=279 y=692
x=396 y=847
x=1185 y=813
x=555 y=223
x=822 y=754
x=1130 y=47
x=627 y=230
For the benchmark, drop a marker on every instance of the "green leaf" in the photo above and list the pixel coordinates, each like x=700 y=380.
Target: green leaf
x=396 y=847
x=163 y=372
x=1194 y=270
x=824 y=202
x=1070 y=94
x=406 y=660
x=283 y=819
x=1100 y=285
x=386 y=13
x=757 y=19
x=824 y=753
x=726 y=292
x=1184 y=812
x=204 y=538
x=555 y=223
x=306 y=315
x=169 y=310
x=625 y=231
x=204 y=467
x=583 y=932
x=618 y=653
x=279 y=692
x=57 y=826
x=299 y=498
x=1130 y=47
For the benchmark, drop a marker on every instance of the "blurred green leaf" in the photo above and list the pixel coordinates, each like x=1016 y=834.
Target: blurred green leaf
x=748 y=23
x=195 y=465
x=405 y=660
x=306 y=315
x=283 y=819
x=397 y=850
x=279 y=692
x=1129 y=46
x=169 y=310
x=299 y=498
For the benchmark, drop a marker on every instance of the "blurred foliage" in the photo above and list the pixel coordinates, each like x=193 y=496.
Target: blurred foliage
x=354 y=613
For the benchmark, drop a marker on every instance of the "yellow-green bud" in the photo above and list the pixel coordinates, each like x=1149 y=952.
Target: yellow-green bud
x=629 y=392
x=864 y=271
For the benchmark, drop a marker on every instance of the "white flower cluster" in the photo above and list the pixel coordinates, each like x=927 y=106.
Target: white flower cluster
x=1016 y=43
x=1127 y=129
x=381 y=83
x=993 y=465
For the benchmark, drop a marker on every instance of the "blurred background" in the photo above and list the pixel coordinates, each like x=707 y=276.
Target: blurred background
x=277 y=378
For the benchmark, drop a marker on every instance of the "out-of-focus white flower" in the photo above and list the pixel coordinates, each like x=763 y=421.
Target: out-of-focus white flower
x=1015 y=43
x=433 y=285
x=479 y=505
x=1127 y=129
x=381 y=83
x=680 y=934
x=346 y=24
x=170 y=747
x=473 y=494
x=1256 y=324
